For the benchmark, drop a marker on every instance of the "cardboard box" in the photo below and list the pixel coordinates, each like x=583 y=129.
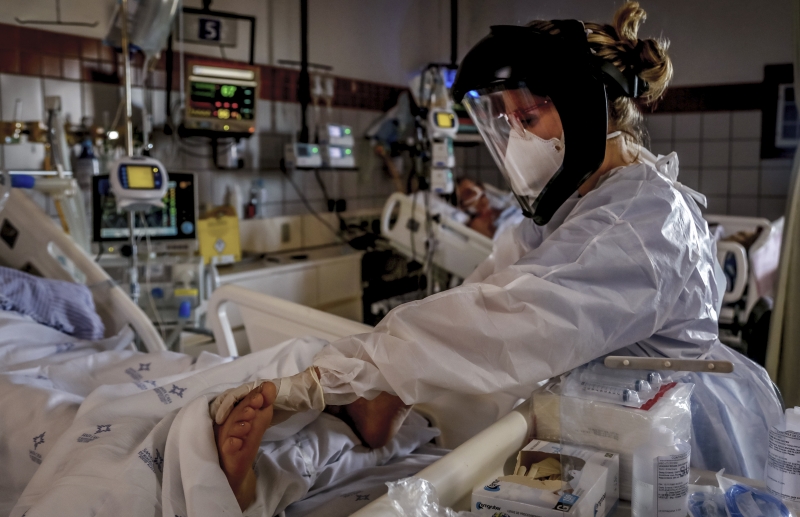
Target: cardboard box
x=591 y=488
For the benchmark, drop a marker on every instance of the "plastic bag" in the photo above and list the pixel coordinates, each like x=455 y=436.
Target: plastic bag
x=707 y=504
x=746 y=501
x=416 y=497
x=611 y=427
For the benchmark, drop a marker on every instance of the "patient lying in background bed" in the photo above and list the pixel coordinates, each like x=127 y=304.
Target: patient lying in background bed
x=90 y=427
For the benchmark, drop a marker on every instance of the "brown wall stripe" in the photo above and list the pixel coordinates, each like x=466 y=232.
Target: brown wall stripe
x=75 y=58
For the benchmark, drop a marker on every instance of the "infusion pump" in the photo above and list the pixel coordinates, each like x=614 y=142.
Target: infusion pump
x=138 y=182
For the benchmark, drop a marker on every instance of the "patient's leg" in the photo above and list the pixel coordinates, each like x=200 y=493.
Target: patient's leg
x=239 y=437
x=379 y=419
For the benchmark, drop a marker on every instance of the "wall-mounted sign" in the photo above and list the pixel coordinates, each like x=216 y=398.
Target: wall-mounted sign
x=209 y=30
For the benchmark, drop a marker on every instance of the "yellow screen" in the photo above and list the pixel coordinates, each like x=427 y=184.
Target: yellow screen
x=444 y=120
x=140 y=176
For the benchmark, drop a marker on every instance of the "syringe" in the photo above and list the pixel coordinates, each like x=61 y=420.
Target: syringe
x=652 y=377
x=641 y=386
x=603 y=393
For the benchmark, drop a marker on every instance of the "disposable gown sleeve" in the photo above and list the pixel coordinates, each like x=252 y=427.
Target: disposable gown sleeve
x=595 y=285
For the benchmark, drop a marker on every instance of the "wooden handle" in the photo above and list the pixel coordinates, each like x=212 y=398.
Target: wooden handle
x=666 y=363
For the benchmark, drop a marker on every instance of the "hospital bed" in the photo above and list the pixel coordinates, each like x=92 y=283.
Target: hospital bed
x=751 y=272
x=459 y=249
x=31 y=242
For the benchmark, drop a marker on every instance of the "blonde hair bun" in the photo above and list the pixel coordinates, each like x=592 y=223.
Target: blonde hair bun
x=620 y=44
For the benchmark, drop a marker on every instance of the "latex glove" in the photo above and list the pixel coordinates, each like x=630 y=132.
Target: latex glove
x=301 y=392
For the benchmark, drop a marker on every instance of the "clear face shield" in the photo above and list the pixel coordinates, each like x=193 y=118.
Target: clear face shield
x=524 y=134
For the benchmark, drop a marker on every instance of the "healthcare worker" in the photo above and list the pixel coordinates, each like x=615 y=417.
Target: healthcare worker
x=613 y=257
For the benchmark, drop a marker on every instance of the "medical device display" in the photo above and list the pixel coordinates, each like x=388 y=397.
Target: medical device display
x=138 y=183
x=299 y=155
x=221 y=99
x=172 y=223
x=338 y=134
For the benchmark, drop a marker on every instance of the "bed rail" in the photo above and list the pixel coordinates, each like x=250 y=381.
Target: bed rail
x=31 y=242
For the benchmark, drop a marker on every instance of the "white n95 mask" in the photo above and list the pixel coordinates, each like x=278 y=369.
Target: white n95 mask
x=530 y=162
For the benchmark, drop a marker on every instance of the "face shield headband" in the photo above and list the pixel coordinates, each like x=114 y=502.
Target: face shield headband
x=540 y=104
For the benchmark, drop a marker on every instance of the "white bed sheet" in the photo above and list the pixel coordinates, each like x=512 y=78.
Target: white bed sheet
x=92 y=429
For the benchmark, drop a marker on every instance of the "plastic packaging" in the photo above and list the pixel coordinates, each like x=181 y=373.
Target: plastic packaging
x=631 y=388
x=783 y=463
x=745 y=501
x=707 y=504
x=416 y=497
x=661 y=476
x=611 y=427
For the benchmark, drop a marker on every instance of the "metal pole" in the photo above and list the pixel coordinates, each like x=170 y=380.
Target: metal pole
x=453 y=32
x=134 y=270
x=304 y=86
x=127 y=57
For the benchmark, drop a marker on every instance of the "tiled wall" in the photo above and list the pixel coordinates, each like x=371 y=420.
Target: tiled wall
x=718 y=154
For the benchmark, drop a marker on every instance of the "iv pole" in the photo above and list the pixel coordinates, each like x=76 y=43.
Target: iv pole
x=134 y=269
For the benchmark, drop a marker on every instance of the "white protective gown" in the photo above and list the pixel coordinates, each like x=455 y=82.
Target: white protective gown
x=629 y=268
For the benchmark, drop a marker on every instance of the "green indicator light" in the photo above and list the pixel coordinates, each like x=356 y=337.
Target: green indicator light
x=314 y=150
x=227 y=90
x=346 y=131
x=348 y=151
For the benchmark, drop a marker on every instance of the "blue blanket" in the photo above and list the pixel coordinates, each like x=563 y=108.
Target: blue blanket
x=64 y=306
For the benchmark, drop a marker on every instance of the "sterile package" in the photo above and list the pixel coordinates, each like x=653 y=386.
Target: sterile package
x=611 y=427
x=551 y=480
x=594 y=381
x=742 y=500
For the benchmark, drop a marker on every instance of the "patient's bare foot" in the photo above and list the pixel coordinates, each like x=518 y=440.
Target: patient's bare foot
x=379 y=419
x=238 y=439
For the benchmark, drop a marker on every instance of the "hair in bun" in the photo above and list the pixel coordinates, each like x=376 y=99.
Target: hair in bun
x=619 y=43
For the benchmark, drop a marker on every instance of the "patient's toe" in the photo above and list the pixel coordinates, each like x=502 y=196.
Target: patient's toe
x=240 y=429
x=247 y=414
x=231 y=445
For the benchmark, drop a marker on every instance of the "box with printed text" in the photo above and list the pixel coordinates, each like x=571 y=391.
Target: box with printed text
x=553 y=480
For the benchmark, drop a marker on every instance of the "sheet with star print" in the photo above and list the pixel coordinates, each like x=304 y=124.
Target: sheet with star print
x=94 y=428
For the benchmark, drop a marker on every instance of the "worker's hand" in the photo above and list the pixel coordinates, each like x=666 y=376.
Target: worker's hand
x=221 y=406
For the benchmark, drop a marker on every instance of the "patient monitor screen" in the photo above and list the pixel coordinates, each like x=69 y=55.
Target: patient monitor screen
x=175 y=220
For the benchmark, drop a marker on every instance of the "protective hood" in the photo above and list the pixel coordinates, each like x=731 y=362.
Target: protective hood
x=540 y=103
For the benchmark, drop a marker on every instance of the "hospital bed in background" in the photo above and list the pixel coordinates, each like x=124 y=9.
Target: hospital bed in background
x=31 y=242
x=459 y=249
x=751 y=273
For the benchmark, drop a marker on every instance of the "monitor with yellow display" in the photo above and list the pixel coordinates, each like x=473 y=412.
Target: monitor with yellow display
x=141 y=177
x=445 y=120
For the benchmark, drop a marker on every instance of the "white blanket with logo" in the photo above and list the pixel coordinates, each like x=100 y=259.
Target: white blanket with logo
x=94 y=428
